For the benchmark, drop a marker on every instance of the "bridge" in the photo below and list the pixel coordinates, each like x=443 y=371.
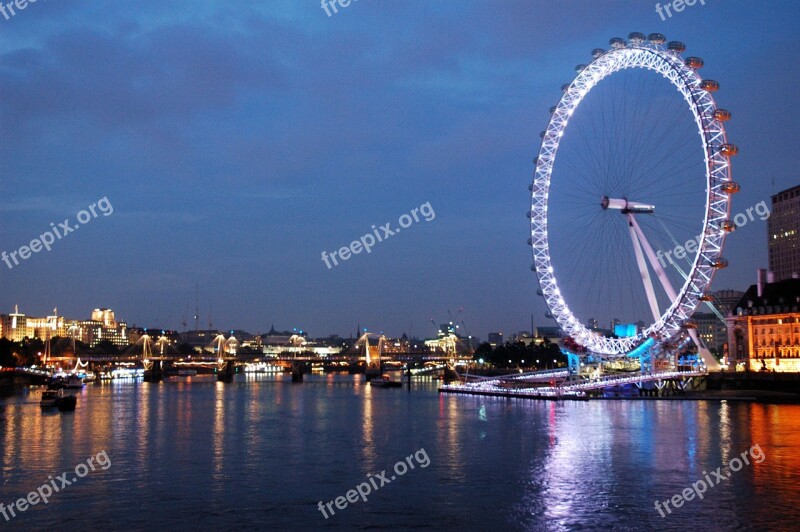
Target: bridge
x=368 y=355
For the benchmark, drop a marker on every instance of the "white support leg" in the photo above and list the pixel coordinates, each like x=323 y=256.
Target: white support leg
x=645 y=273
x=709 y=360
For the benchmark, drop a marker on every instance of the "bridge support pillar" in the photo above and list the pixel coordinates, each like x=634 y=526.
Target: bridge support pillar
x=225 y=370
x=372 y=371
x=450 y=373
x=298 y=368
x=153 y=371
x=573 y=364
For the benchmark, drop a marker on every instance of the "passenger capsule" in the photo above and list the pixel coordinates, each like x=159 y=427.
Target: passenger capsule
x=530 y=187
x=636 y=37
x=533 y=267
x=564 y=87
x=676 y=46
x=656 y=38
x=720 y=263
x=540 y=292
x=728 y=150
x=579 y=68
x=530 y=241
x=694 y=62
x=706 y=297
x=722 y=115
x=529 y=214
x=617 y=43
x=597 y=52
x=553 y=109
x=548 y=314
x=689 y=324
x=728 y=226
x=541 y=135
x=709 y=85
x=730 y=187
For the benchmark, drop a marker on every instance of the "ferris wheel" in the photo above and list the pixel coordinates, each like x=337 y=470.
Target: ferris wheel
x=641 y=189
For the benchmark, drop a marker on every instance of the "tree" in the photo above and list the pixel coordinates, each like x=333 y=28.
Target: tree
x=7 y=350
x=105 y=348
x=484 y=351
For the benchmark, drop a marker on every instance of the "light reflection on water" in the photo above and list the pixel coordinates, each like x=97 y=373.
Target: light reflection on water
x=261 y=452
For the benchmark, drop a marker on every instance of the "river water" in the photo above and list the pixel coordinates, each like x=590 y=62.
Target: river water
x=261 y=453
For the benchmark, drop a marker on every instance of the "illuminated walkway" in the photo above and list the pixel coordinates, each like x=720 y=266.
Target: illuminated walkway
x=571 y=389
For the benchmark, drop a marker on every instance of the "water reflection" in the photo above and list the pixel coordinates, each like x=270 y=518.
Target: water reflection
x=271 y=449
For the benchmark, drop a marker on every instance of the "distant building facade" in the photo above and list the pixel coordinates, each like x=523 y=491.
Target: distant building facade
x=711 y=325
x=783 y=228
x=726 y=300
x=712 y=330
x=495 y=339
x=764 y=328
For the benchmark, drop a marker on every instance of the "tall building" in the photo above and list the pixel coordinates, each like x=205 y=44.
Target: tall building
x=783 y=228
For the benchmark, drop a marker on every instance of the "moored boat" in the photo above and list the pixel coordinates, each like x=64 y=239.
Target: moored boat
x=66 y=403
x=74 y=382
x=49 y=398
x=385 y=382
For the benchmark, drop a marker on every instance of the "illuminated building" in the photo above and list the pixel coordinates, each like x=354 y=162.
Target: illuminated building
x=17 y=326
x=102 y=326
x=783 y=228
x=764 y=329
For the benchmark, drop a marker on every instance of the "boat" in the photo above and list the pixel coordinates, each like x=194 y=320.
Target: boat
x=74 y=382
x=56 y=398
x=187 y=372
x=385 y=382
x=49 y=398
x=66 y=403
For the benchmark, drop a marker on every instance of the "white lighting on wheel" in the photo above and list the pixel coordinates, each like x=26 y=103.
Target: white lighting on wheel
x=649 y=56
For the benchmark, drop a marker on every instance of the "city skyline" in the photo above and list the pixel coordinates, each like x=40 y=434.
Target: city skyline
x=237 y=174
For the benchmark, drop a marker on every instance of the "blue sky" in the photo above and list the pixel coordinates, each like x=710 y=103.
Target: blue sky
x=238 y=140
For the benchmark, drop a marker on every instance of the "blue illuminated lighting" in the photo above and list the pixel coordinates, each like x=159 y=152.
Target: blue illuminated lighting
x=645 y=346
x=625 y=330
